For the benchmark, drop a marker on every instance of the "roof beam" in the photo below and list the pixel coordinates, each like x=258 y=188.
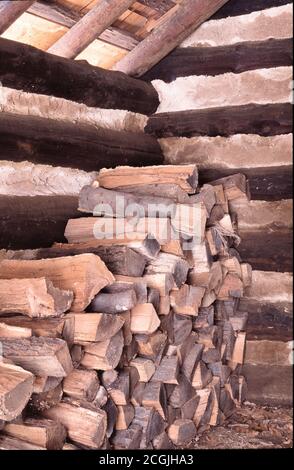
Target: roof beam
x=189 y=16
x=10 y=11
x=62 y=15
x=89 y=27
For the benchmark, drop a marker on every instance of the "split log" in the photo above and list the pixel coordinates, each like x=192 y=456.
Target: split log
x=10 y=443
x=164 y=305
x=189 y=408
x=182 y=431
x=264 y=120
x=170 y=191
x=152 y=346
x=163 y=282
x=61 y=143
x=125 y=416
x=203 y=410
x=61 y=327
x=95 y=327
x=187 y=300
x=152 y=424
x=45 y=400
x=235 y=186
x=90 y=85
x=121 y=178
x=239 y=321
x=162 y=441
x=169 y=264
x=202 y=376
x=232 y=287
x=116 y=302
x=126 y=282
x=168 y=371
x=81 y=384
x=145 y=368
x=85 y=424
x=205 y=318
x=238 y=351
x=154 y=396
x=104 y=355
x=153 y=297
x=10 y=331
x=181 y=392
x=33 y=297
x=191 y=360
x=128 y=439
x=16 y=388
x=41 y=432
x=112 y=415
x=144 y=319
x=167 y=36
x=85 y=274
x=119 y=259
x=220 y=370
x=41 y=356
x=115 y=231
x=109 y=203
x=118 y=386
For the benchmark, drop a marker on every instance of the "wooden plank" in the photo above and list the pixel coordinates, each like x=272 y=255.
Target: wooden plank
x=10 y=11
x=63 y=143
x=64 y=16
x=102 y=15
x=163 y=39
x=236 y=58
x=26 y=68
x=264 y=120
x=243 y=7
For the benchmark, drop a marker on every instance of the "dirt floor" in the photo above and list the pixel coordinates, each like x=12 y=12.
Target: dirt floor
x=250 y=427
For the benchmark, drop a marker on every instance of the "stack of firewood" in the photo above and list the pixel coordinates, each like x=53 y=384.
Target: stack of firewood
x=129 y=336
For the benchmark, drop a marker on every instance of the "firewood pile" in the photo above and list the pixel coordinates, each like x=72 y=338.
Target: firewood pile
x=128 y=336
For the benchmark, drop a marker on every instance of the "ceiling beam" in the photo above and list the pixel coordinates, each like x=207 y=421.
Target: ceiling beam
x=85 y=31
x=10 y=11
x=63 y=16
x=162 y=40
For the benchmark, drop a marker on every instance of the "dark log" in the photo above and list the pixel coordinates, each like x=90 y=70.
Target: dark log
x=10 y=11
x=269 y=384
x=265 y=120
x=236 y=58
x=128 y=438
x=152 y=423
x=26 y=68
x=243 y=7
x=31 y=222
x=181 y=393
x=85 y=147
x=267 y=250
x=273 y=321
x=265 y=183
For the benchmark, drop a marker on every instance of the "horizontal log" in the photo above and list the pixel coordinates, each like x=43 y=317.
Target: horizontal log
x=271 y=183
x=243 y=7
x=267 y=251
x=275 y=353
x=10 y=11
x=236 y=58
x=46 y=141
x=269 y=384
x=31 y=222
x=27 y=68
x=264 y=120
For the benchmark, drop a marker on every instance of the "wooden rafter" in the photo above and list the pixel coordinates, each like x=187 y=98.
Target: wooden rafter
x=64 y=16
x=86 y=30
x=10 y=11
x=190 y=15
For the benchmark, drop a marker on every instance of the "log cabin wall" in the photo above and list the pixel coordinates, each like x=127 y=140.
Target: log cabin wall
x=60 y=122
x=225 y=104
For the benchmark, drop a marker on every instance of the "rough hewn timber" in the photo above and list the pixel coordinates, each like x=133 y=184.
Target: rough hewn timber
x=31 y=222
x=30 y=69
x=66 y=144
x=264 y=120
x=236 y=58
